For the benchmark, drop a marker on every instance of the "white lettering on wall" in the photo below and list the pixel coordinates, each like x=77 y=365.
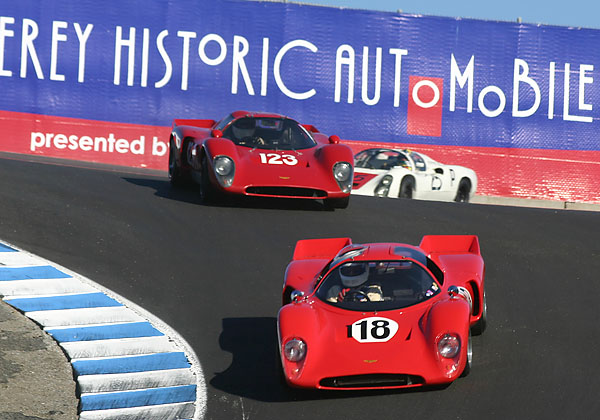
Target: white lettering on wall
x=160 y=39
x=462 y=78
x=520 y=75
x=83 y=38
x=482 y=107
x=567 y=95
x=5 y=33
x=344 y=57
x=185 y=59
x=365 y=77
x=30 y=32
x=240 y=50
x=298 y=43
x=56 y=38
x=397 y=53
x=121 y=43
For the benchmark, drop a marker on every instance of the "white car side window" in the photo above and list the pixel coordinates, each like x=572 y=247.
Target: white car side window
x=419 y=162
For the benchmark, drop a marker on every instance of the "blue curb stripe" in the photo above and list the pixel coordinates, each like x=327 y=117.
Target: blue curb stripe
x=6 y=248
x=86 y=300
x=175 y=394
x=28 y=273
x=159 y=361
x=105 y=332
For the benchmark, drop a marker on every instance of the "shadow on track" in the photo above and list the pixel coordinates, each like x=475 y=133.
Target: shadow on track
x=255 y=370
x=188 y=193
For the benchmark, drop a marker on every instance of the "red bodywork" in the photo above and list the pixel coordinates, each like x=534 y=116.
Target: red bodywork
x=335 y=360
x=261 y=172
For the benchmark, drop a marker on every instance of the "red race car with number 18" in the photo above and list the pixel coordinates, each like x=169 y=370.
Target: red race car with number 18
x=261 y=154
x=381 y=315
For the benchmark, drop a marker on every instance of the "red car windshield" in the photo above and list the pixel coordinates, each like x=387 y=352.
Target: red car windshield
x=269 y=133
x=377 y=285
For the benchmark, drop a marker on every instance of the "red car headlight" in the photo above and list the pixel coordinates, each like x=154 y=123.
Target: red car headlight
x=224 y=169
x=223 y=165
x=449 y=345
x=294 y=350
x=342 y=172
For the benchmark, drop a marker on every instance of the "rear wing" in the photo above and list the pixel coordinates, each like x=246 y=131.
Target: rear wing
x=311 y=128
x=194 y=123
x=450 y=244
x=319 y=249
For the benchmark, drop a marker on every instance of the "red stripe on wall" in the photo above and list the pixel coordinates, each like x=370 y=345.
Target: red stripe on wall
x=563 y=175
x=130 y=145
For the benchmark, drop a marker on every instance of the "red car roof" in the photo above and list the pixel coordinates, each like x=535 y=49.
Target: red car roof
x=239 y=114
x=383 y=251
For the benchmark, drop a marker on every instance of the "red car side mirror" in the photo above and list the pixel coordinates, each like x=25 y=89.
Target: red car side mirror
x=297 y=296
x=334 y=139
x=216 y=133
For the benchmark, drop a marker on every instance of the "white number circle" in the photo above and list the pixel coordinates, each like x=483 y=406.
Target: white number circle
x=373 y=329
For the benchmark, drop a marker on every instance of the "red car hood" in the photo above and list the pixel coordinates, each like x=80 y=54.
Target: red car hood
x=341 y=353
x=334 y=348
x=279 y=167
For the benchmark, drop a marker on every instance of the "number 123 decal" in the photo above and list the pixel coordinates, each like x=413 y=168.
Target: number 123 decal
x=373 y=330
x=277 y=159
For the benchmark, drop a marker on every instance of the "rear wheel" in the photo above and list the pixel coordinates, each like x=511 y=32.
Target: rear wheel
x=337 y=203
x=406 y=188
x=463 y=192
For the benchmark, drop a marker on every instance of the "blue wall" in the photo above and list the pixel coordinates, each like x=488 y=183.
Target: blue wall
x=203 y=59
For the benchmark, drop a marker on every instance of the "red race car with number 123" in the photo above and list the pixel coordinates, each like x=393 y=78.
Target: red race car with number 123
x=381 y=315
x=261 y=154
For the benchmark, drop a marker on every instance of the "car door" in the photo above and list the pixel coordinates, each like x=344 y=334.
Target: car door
x=437 y=181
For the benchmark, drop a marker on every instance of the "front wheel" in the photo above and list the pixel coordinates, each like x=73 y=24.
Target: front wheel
x=481 y=325
x=406 y=188
x=337 y=203
x=174 y=170
x=206 y=189
x=467 y=368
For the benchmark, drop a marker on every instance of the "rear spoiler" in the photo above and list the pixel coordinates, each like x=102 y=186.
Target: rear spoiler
x=450 y=244
x=319 y=249
x=311 y=128
x=195 y=123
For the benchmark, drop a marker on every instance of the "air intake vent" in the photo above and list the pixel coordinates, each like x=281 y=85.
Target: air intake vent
x=372 y=381
x=286 y=192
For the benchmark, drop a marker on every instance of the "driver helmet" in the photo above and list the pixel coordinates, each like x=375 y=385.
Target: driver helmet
x=354 y=274
x=404 y=163
x=244 y=127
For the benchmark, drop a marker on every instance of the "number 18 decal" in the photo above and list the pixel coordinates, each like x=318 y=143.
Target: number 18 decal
x=277 y=159
x=373 y=330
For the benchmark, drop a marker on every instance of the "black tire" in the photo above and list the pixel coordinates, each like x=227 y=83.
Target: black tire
x=463 y=192
x=175 y=176
x=281 y=373
x=206 y=190
x=407 y=186
x=337 y=203
x=481 y=325
x=467 y=368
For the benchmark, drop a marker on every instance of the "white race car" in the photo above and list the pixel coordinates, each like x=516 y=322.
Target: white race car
x=406 y=174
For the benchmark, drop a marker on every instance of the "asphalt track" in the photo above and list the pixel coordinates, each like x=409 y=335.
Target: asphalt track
x=214 y=274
